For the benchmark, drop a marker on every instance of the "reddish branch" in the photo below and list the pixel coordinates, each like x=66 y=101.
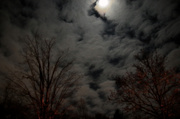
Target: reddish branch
x=152 y=89
x=46 y=80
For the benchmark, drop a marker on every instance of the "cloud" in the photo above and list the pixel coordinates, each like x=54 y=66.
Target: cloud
x=173 y=58
x=171 y=29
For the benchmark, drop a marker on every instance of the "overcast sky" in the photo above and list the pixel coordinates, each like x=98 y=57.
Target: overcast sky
x=103 y=41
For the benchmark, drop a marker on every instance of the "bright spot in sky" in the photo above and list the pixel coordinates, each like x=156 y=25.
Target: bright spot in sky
x=103 y=3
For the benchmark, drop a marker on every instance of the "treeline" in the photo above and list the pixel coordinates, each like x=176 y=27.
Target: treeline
x=12 y=107
x=40 y=86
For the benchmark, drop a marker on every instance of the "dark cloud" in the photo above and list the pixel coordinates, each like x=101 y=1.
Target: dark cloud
x=110 y=27
x=95 y=73
x=92 y=10
x=19 y=12
x=61 y=4
x=116 y=60
x=94 y=85
x=102 y=95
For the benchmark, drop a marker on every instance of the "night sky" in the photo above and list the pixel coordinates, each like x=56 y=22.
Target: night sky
x=102 y=40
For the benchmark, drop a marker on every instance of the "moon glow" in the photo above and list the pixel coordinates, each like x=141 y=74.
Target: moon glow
x=103 y=3
x=103 y=6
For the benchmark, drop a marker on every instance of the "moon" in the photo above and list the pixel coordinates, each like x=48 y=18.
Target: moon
x=103 y=3
x=103 y=6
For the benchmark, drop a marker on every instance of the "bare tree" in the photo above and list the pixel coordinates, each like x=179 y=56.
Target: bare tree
x=152 y=89
x=11 y=106
x=47 y=79
x=82 y=109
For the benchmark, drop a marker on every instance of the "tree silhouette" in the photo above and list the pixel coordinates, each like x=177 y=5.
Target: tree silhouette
x=11 y=106
x=45 y=79
x=152 y=89
x=82 y=109
x=118 y=115
x=100 y=116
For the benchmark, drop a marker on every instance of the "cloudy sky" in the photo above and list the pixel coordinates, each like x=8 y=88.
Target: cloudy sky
x=103 y=40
